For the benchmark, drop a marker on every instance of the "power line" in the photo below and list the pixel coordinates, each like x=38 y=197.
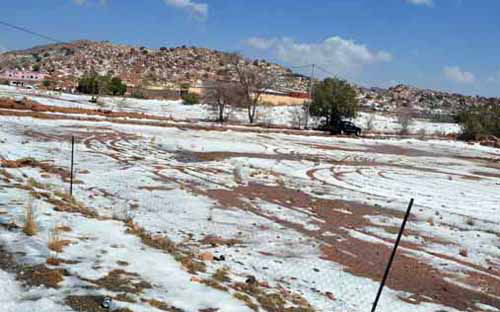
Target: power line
x=326 y=71
x=26 y=30
x=301 y=66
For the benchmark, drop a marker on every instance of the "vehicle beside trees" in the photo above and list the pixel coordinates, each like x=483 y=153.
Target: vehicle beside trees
x=335 y=100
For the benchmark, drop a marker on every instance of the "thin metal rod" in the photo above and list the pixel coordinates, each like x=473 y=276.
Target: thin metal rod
x=388 y=268
x=72 y=161
x=308 y=106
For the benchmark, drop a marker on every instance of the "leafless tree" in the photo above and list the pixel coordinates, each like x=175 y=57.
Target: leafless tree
x=222 y=95
x=251 y=83
x=404 y=117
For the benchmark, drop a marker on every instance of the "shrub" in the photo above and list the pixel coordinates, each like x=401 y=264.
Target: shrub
x=480 y=121
x=190 y=99
x=138 y=95
x=95 y=84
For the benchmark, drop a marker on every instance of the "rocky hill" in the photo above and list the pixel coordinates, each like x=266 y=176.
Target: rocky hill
x=170 y=67
x=423 y=101
x=139 y=66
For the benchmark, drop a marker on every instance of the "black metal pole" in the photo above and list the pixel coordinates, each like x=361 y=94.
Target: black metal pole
x=72 y=160
x=388 y=268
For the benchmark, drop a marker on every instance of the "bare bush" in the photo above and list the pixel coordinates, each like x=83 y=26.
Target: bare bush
x=404 y=117
x=369 y=122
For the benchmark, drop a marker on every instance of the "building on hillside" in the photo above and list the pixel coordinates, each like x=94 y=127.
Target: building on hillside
x=21 y=78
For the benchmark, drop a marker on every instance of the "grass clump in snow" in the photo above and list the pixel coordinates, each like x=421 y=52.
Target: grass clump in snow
x=270 y=301
x=6 y=174
x=35 y=184
x=41 y=275
x=221 y=275
x=67 y=203
x=121 y=281
x=219 y=241
x=160 y=305
x=214 y=284
x=162 y=243
x=55 y=242
x=187 y=259
x=192 y=265
x=247 y=300
x=30 y=227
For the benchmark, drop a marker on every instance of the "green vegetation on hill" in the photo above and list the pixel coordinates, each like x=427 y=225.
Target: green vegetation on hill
x=103 y=85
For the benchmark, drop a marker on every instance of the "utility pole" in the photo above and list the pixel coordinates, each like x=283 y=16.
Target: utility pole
x=308 y=106
x=72 y=161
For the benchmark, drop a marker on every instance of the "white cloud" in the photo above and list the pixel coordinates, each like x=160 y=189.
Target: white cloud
x=456 y=74
x=337 y=55
x=260 y=43
x=198 y=9
x=429 y=3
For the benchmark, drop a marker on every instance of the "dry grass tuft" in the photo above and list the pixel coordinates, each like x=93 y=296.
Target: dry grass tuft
x=30 y=228
x=219 y=241
x=247 y=300
x=160 y=305
x=121 y=281
x=53 y=261
x=41 y=275
x=192 y=265
x=63 y=228
x=221 y=275
x=214 y=284
x=55 y=242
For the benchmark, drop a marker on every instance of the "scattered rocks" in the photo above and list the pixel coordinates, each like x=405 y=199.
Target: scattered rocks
x=251 y=280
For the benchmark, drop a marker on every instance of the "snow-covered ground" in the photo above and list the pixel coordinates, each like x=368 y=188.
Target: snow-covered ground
x=285 y=200
x=287 y=116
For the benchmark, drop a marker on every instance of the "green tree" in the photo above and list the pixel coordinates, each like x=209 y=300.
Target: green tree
x=480 y=121
x=190 y=99
x=36 y=67
x=334 y=99
x=117 y=87
x=102 y=85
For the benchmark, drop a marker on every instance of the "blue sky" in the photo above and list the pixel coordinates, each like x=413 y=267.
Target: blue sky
x=440 y=44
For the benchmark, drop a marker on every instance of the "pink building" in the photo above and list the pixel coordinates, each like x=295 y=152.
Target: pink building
x=21 y=75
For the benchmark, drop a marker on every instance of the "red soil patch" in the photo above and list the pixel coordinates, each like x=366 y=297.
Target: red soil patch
x=365 y=258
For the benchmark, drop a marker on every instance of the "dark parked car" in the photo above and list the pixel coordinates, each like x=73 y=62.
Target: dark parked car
x=342 y=127
x=349 y=128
